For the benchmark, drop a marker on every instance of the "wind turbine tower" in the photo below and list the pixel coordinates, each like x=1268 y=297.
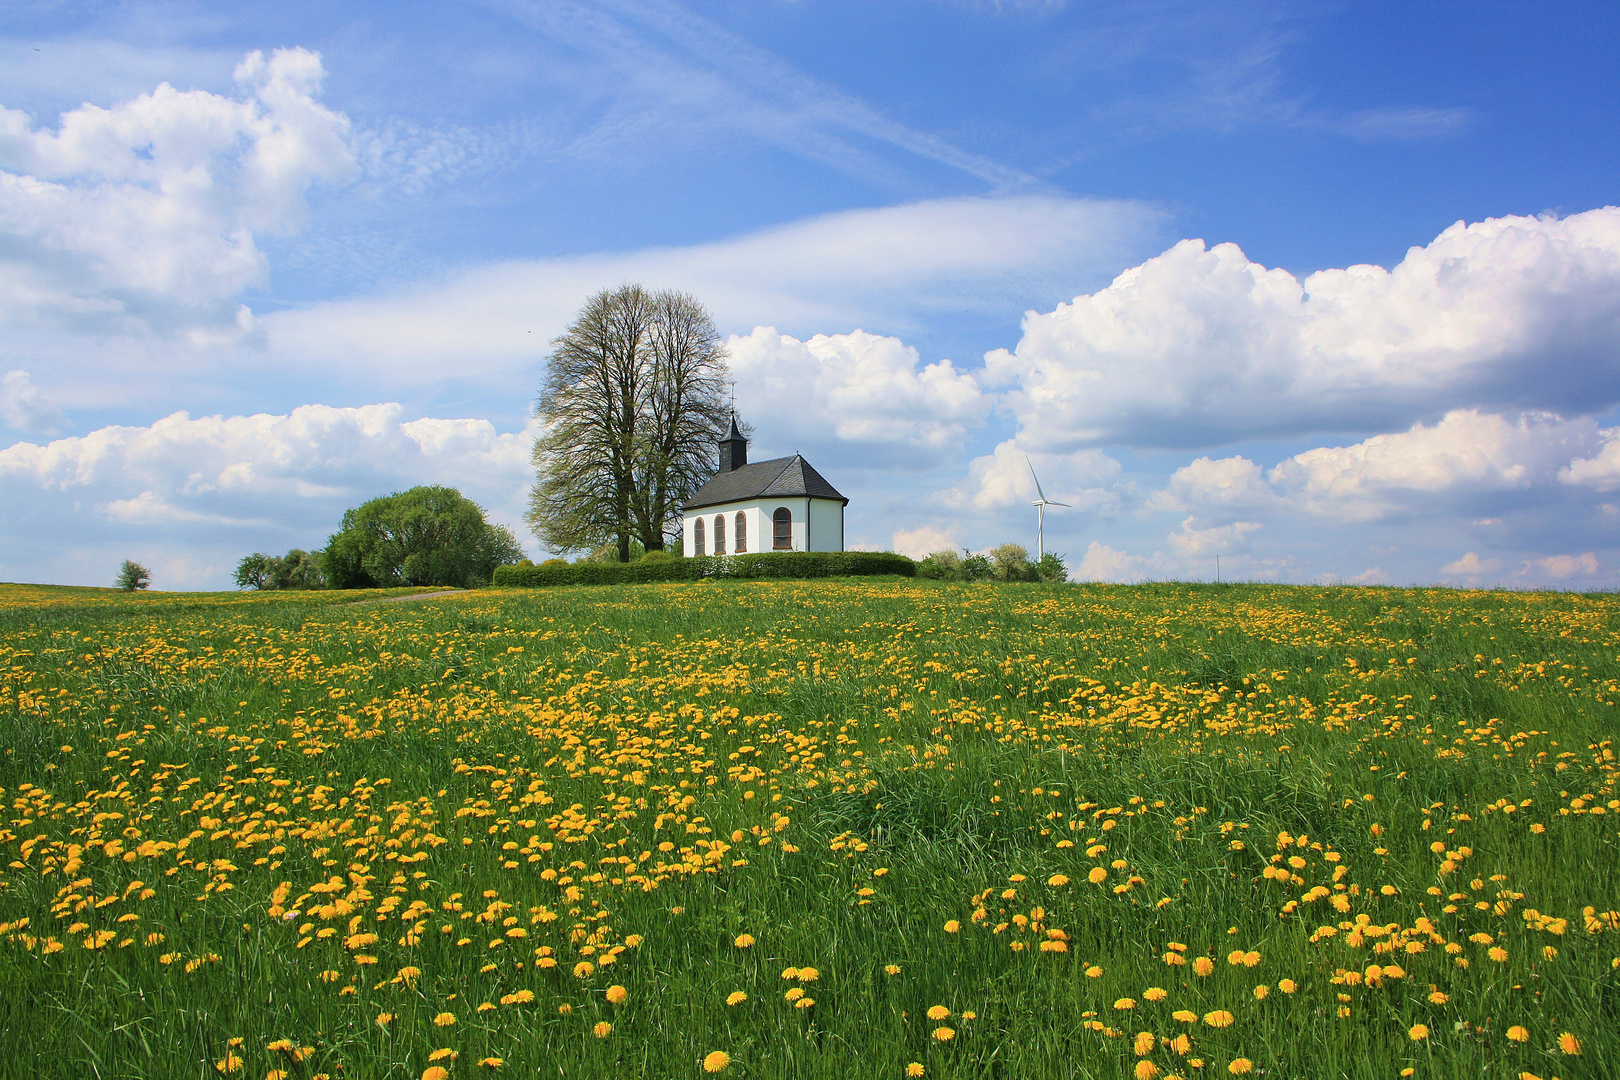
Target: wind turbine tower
x=1040 y=510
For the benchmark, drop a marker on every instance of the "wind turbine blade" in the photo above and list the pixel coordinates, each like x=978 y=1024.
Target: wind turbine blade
x=1035 y=478
x=1049 y=503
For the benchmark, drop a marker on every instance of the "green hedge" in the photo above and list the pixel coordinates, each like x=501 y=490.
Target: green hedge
x=767 y=564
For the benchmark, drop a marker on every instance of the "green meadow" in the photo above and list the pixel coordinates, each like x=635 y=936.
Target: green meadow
x=845 y=828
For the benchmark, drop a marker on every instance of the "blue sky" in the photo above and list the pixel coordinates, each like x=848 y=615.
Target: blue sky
x=261 y=262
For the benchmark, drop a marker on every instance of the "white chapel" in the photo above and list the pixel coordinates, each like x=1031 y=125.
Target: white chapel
x=777 y=505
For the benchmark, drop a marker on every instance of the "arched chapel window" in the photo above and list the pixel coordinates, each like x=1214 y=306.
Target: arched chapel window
x=697 y=537
x=782 y=526
x=719 y=534
x=742 y=533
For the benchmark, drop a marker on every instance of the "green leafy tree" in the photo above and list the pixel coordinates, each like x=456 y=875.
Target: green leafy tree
x=298 y=569
x=132 y=575
x=634 y=404
x=253 y=572
x=424 y=536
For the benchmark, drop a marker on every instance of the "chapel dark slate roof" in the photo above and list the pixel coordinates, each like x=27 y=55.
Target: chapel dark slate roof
x=778 y=478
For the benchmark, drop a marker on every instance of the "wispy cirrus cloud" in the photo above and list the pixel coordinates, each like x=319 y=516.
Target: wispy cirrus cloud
x=681 y=75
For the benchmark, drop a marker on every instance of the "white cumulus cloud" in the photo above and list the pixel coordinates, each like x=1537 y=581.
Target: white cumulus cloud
x=1201 y=345
x=1561 y=567
x=862 y=389
x=141 y=217
x=1467 y=452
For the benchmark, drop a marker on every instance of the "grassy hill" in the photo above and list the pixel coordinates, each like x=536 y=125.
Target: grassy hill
x=810 y=829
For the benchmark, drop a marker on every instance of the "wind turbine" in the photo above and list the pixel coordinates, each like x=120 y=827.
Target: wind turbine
x=1040 y=510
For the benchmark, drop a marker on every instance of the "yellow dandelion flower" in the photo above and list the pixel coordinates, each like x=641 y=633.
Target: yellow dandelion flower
x=584 y=969
x=564 y=1009
x=1439 y=997
x=891 y=969
x=1144 y=1043
x=1146 y=1070
x=1417 y=1032
x=1528 y=1076
x=1181 y=1044
x=1518 y=1033
x=736 y=997
x=384 y=1019
x=790 y=973
x=230 y=1063
x=944 y=1034
x=1155 y=993
x=1569 y=1044
x=1218 y=1018
x=794 y=994
x=716 y=1061
x=1098 y=875
x=1094 y=972
x=492 y=1062
x=1124 y=1004
x=1287 y=986
x=435 y=1072
x=1497 y=953
x=444 y=1019
x=443 y=1054
x=743 y=941
x=602 y=1029
x=914 y=1069
x=1186 y=1016
x=617 y=994
x=808 y=975
x=804 y=1003
x=1235 y=957
x=1057 y=881
x=952 y=926
x=1203 y=966
x=938 y=1012
x=1240 y=1066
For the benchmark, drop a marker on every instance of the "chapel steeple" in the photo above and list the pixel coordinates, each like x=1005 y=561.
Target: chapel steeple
x=733 y=449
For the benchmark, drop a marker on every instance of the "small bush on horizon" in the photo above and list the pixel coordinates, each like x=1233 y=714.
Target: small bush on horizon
x=663 y=555
x=132 y=575
x=1007 y=562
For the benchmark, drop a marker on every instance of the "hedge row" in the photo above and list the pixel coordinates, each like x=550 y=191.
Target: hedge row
x=767 y=564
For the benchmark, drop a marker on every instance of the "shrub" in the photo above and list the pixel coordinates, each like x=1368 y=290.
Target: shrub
x=1010 y=562
x=761 y=565
x=974 y=567
x=1051 y=568
x=663 y=555
x=424 y=536
x=943 y=565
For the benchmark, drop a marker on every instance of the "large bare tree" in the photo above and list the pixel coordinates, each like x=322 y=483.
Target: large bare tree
x=633 y=404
